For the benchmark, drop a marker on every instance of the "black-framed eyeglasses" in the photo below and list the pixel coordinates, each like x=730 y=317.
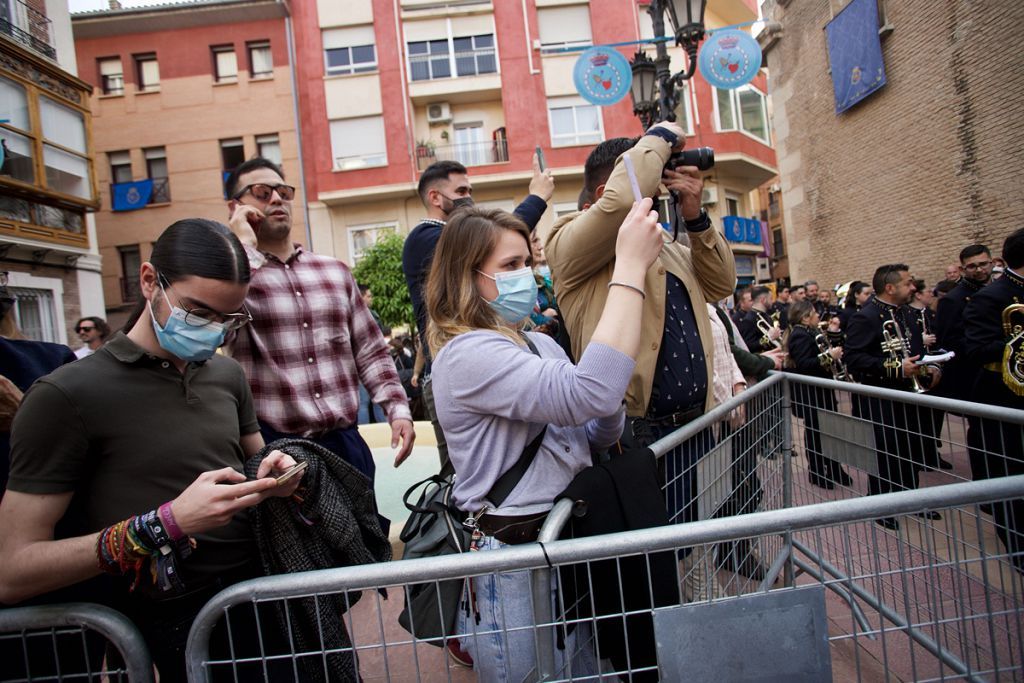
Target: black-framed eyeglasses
x=201 y=317
x=976 y=266
x=263 y=192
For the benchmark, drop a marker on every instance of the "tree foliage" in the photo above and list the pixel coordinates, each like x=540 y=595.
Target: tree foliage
x=380 y=268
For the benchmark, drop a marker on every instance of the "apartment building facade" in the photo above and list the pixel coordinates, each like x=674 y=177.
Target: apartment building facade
x=387 y=87
x=48 y=186
x=180 y=95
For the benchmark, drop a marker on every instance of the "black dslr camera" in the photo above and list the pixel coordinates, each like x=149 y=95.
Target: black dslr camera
x=701 y=157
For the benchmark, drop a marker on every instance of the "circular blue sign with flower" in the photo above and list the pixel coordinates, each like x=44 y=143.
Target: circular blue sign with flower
x=602 y=76
x=729 y=59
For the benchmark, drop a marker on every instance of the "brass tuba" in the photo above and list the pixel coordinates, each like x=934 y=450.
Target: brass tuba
x=895 y=345
x=1013 y=354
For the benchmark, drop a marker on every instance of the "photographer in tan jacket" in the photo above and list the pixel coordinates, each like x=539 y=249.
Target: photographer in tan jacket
x=670 y=384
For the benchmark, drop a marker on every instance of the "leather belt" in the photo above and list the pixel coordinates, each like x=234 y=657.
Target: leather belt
x=675 y=419
x=512 y=529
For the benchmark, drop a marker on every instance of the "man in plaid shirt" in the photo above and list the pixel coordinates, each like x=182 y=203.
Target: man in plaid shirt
x=312 y=339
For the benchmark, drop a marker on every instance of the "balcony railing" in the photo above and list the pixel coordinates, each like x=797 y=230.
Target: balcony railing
x=467 y=154
x=28 y=26
x=129 y=289
x=161 y=191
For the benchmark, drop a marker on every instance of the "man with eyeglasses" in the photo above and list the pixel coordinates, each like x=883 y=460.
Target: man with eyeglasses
x=92 y=332
x=312 y=339
x=959 y=373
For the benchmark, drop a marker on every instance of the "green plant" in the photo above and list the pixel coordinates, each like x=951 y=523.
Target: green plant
x=380 y=268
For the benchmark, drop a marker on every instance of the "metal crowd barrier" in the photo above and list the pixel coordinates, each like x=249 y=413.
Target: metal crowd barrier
x=71 y=642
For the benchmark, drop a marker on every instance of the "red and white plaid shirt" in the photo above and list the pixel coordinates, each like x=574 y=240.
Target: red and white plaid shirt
x=310 y=342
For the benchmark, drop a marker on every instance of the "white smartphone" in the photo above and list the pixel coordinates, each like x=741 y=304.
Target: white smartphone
x=292 y=471
x=631 y=172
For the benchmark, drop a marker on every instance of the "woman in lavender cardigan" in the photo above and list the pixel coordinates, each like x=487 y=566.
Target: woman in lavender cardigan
x=494 y=396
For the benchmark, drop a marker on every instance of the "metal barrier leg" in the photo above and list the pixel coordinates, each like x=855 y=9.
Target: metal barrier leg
x=892 y=615
x=541 y=587
x=787 y=473
x=858 y=613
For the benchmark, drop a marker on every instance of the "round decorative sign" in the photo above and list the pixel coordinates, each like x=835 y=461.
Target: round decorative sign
x=602 y=76
x=729 y=59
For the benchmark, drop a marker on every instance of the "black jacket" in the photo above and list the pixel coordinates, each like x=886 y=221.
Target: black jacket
x=622 y=494
x=863 y=353
x=984 y=340
x=747 y=325
x=958 y=374
x=803 y=358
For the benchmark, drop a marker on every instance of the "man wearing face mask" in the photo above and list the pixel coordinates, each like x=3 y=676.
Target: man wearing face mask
x=443 y=188
x=312 y=339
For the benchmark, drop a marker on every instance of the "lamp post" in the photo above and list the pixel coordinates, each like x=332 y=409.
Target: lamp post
x=687 y=19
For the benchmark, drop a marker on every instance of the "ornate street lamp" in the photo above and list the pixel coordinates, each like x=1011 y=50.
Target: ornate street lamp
x=644 y=89
x=687 y=19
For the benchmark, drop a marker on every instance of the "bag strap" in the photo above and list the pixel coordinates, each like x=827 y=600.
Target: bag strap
x=510 y=479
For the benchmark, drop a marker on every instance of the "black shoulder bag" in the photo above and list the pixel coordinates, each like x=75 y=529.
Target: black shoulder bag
x=434 y=528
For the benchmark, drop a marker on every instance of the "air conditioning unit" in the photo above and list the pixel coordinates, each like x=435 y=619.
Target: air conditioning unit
x=709 y=195
x=439 y=112
x=774 y=187
x=764 y=272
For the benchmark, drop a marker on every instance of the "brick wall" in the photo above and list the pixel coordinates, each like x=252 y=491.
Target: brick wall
x=926 y=165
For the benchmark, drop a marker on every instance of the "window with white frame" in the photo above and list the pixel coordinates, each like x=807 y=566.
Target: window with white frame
x=120 y=166
x=358 y=143
x=349 y=50
x=454 y=55
x=269 y=147
x=225 y=64
x=574 y=122
x=37 y=307
x=111 y=76
x=261 y=59
x=147 y=71
x=567 y=26
x=744 y=109
x=362 y=237
x=684 y=108
x=64 y=149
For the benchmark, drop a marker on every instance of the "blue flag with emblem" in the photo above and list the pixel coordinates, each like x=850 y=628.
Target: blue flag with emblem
x=855 y=53
x=132 y=196
x=753 y=230
x=733 y=228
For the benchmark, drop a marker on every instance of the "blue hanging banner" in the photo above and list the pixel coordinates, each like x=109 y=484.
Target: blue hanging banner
x=753 y=230
x=132 y=196
x=602 y=76
x=733 y=228
x=729 y=59
x=855 y=53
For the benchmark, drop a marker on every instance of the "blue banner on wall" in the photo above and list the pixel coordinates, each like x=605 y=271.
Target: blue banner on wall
x=855 y=53
x=132 y=196
x=739 y=229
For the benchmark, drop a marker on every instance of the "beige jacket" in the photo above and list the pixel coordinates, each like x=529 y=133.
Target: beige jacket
x=581 y=252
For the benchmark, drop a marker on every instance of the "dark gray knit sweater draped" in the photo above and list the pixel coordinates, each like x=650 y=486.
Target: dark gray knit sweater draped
x=335 y=525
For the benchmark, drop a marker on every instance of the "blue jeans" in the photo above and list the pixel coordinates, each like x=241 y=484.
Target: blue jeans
x=502 y=645
x=364 y=415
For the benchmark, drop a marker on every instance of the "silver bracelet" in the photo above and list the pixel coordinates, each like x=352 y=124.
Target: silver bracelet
x=627 y=286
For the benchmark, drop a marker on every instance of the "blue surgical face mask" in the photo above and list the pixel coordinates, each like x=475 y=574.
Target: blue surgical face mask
x=185 y=341
x=517 y=294
x=545 y=271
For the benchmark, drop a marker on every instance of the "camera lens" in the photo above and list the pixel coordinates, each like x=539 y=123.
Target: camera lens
x=701 y=157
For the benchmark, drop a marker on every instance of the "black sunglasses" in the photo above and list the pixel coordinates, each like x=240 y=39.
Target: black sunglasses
x=263 y=192
x=82 y=328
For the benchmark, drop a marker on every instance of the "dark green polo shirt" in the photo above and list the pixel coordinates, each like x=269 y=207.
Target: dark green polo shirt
x=125 y=431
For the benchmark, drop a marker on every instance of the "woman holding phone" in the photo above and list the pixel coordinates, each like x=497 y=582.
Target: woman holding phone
x=495 y=395
x=138 y=451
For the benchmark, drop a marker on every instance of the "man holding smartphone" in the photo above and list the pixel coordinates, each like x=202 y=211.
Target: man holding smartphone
x=312 y=339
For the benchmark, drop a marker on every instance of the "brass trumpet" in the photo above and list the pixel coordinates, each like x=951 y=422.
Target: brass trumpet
x=895 y=345
x=765 y=329
x=1013 y=354
x=828 y=361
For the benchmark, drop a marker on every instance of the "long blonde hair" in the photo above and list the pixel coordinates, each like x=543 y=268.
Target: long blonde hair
x=454 y=306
